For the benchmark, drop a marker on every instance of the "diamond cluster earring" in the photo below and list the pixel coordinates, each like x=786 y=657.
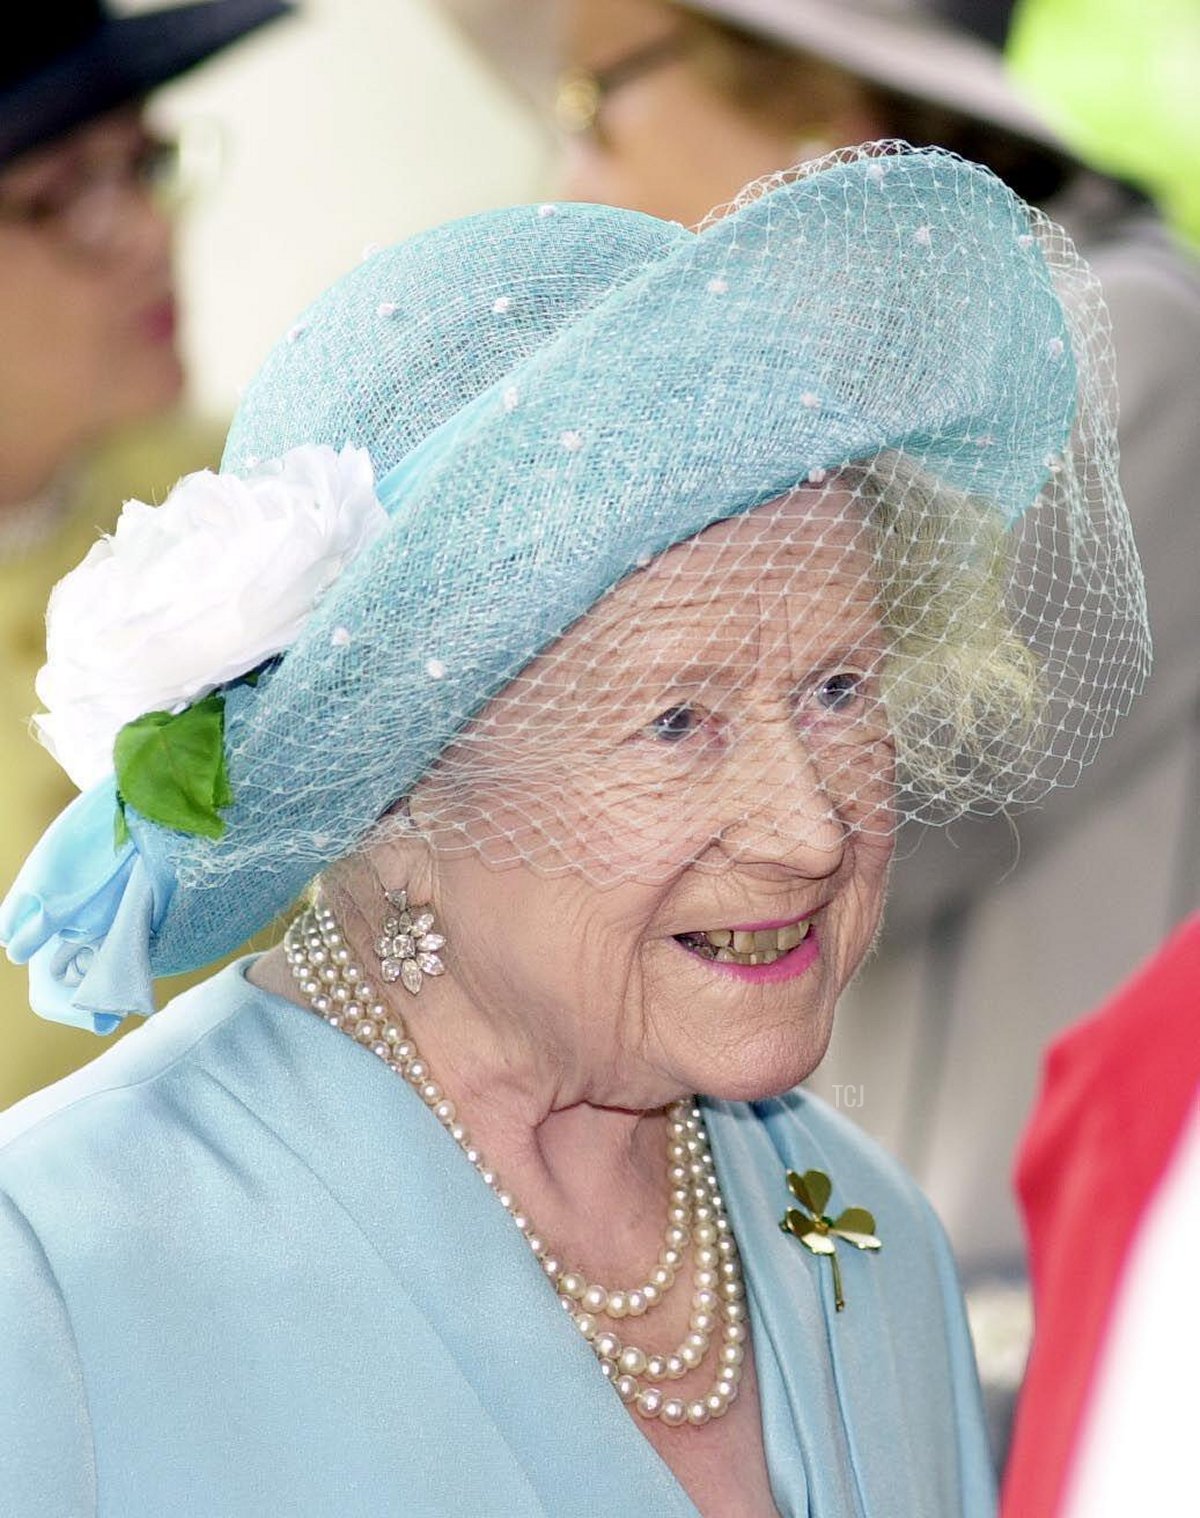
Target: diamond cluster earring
x=407 y=947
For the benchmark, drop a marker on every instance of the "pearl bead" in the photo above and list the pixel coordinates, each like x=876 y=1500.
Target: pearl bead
x=698 y=1413
x=732 y=1354
x=733 y=1291
x=627 y=1388
x=608 y=1369
x=661 y=1277
x=673 y=1412
x=632 y=1360
x=618 y=1304
x=703 y=1322
x=636 y=1303
x=649 y=1401
x=675 y=1367
x=656 y=1367
x=586 y=1324
x=690 y=1355
x=418 y=1070
x=717 y=1404
x=595 y=1299
x=735 y=1333
x=652 y=1294
x=607 y=1344
x=735 y=1312
x=572 y=1284
x=445 y=1112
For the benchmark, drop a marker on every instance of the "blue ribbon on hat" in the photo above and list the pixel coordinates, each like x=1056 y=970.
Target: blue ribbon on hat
x=81 y=915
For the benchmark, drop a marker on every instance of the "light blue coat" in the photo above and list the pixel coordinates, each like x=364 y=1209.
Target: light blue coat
x=245 y=1274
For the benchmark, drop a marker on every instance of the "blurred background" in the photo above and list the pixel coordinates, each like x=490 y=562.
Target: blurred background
x=356 y=121
x=359 y=122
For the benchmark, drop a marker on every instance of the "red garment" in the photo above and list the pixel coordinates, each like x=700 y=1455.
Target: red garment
x=1116 y=1090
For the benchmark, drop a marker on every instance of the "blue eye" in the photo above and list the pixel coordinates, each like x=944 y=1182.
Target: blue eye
x=840 y=691
x=676 y=723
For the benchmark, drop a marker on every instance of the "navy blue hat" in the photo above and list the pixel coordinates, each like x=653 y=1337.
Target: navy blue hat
x=72 y=60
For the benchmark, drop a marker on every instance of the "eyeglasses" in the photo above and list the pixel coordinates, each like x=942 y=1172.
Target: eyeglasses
x=84 y=209
x=580 y=93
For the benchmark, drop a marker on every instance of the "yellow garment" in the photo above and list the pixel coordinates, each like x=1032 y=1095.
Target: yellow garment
x=34 y=1052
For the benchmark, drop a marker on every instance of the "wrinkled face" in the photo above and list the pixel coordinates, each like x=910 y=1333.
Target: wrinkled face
x=86 y=292
x=679 y=816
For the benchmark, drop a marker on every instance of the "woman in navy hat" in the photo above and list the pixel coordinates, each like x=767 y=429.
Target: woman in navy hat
x=88 y=313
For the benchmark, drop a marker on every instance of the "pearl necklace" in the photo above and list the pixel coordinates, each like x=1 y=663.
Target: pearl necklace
x=338 y=991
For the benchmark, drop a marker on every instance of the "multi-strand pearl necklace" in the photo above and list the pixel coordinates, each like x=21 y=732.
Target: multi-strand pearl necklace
x=338 y=991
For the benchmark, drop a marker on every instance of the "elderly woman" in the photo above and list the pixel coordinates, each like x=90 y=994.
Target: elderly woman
x=585 y=602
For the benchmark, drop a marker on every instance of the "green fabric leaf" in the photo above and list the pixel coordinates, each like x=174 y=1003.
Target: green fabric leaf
x=819 y=1187
x=171 y=767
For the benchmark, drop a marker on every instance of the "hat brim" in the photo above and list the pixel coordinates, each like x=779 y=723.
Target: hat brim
x=124 y=59
x=912 y=54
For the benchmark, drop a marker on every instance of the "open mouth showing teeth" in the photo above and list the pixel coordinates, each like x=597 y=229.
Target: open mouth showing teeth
x=738 y=946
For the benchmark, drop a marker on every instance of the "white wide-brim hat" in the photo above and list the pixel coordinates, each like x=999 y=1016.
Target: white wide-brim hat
x=905 y=45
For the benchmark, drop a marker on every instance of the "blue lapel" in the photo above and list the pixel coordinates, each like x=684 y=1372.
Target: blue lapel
x=833 y=1407
x=456 y=1259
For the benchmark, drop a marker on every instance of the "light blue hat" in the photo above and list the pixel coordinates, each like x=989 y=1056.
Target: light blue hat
x=550 y=394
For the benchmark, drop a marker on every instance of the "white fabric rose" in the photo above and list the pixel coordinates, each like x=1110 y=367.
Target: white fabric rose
x=186 y=596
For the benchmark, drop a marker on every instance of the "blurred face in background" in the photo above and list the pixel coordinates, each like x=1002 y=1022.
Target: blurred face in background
x=87 y=301
x=662 y=114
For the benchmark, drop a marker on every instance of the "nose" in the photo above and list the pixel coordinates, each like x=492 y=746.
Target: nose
x=784 y=815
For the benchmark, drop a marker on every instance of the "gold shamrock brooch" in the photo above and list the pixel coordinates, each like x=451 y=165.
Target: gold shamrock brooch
x=817 y=1232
